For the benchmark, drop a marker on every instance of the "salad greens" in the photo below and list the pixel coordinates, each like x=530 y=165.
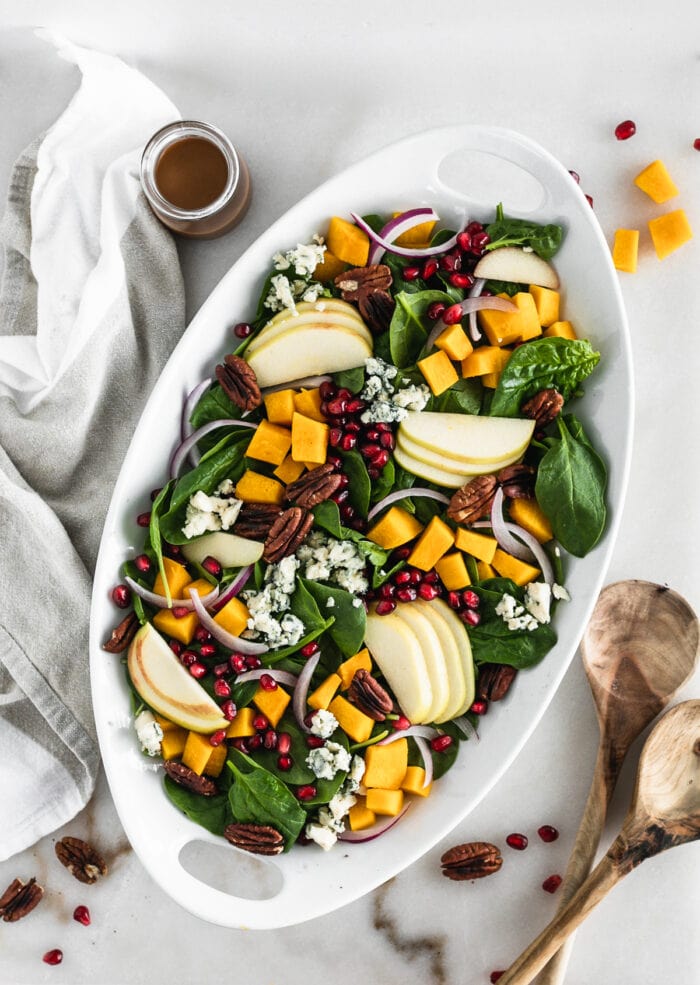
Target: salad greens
x=544 y=240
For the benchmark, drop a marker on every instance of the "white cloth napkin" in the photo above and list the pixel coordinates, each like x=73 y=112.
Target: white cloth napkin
x=91 y=305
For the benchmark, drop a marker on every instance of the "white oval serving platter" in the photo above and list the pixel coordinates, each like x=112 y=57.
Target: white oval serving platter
x=484 y=165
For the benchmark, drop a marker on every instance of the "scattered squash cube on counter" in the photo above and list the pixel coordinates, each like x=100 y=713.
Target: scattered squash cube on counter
x=625 y=249
x=669 y=232
x=656 y=182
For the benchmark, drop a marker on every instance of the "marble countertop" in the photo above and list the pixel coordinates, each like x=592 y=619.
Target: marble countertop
x=305 y=90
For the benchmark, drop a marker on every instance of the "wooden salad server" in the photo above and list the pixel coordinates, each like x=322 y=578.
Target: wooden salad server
x=665 y=812
x=639 y=648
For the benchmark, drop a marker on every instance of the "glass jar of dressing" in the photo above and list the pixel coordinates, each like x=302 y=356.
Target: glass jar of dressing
x=194 y=180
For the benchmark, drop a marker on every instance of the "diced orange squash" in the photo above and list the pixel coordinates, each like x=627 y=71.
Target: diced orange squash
x=510 y=567
x=436 y=540
x=669 y=231
x=289 y=470
x=490 y=380
x=416 y=236
x=528 y=514
x=279 y=407
x=385 y=766
x=347 y=242
x=165 y=723
x=561 y=329
x=273 y=704
x=329 y=267
x=625 y=249
x=361 y=817
x=479 y=546
x=349 y=667
x=656 y=182
x=413 y=782
x=242 y=726
x=438 y=371
x=455 y=342
x=504 y=327
x=253 y=487
x=182 y=629
x=197 y=752
x=352 y=721
x=388 y=802
x=453 y=571
x=178 y=578
x=308 y=403
x=485 y=359
x=270 y=443
x=395 y=528
x=233 y=617
x=485 y=571
x=217 y=760
x=173 y=742
x=325 y=692
x=547 y=304
x=309 y=440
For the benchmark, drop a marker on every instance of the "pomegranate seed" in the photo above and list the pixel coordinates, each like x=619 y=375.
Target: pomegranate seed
x=411 y=273
x=452 y=315
x=334 y=437
x=356 y=405
x=479 y=241
x=370 y=449
x=696 y=143
x=383 y=426
x=54 y=956
x=479 y=707
x=211 y=565
x=471 y=599
x=180 y=611
x=380 y=459
x=222 y=688
x=242 y=330
x=348 y=442
x=401 y=724
x=625 y=130
x=82 y=915
x=402 y=577
x=260 y=722
x=341 y=496
x=284 y=742
x=314 y=741
x=189 y=658
x=143 y=562
x=284 y=762
x=344 y=394
x=548 y=833
x=175 y=647
x=237 y=662
x=453 y=600
x=310 y=649
x=255 y=742
x=352 y=428
x=198 y=670
x=347 y=512
x=335 y=461
x=464 y=241
x=202 y=635
x=406 y=594
x=461 y=280
x=121 y=596
x=431 y=577
x=155 y=493
x=207 y=650
x=307 y=792
x=143 y=519
x=474 y=227
x=216 y=738
x=401 y=553
x=270 y=739
x=428 y=592
x=517 y=841
x=430 y=268
x=387 y=440
x=575 y=175
x=385 y=607
x=386 y=591
x=495 y=975
x=440 y=743
x=337 y=406
x=328 y=390
x=551 y=884
x=416 y=576
x=448 y=263
x=470 y=617
x=229 y=710
x=241 y=745
x=253 y=663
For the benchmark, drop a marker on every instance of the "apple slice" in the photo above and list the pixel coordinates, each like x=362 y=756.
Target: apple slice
x=308 y=314
x=461 y=637
x=398 y=654
x=448 y=463
x=452 y=658
x=429 y=643
x=308 y=351
x=168 y=687
x=230 y=550
x=475 y=439
x=428 y=472
x=517 y=265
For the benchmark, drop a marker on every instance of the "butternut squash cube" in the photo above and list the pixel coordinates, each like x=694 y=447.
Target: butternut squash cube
x=309 y=440
x=182 y=629
x=289 y=470
x=389 y=802
x=178 y=579
x=416 y=236
x=197 y=752
x=352 y=721
x=479 y=546
x=347 y=242
x=242 y=726
x=453 y=571
x=490 y=380
x=528 y=514
x=455 y=342
x=485 y=359
x=348 y=669
x=253 y=487
x=510 y=567
x=308 y=403
x=561 y=329
x=547 y=304
x=485 y=571
x=324 y=693
x=233 y=617
x=438 y=371
x=361 y=817
x=279 y=407
x=656 y=182
x=395 y=528
x=436 y=540
x=385 y=766
x=413 y=782
x=273 y=704
x=669 y=231
x=217 y=760
x=165 y=723
x=625 y=249
x=329 y=267
x=173 y=742
x=504 y=327
x=270 y=443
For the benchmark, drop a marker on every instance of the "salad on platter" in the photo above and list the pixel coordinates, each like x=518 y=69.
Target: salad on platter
x=363 y=536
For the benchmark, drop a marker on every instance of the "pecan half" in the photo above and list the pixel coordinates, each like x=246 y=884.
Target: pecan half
x=471 y=861
x=186 y=777
x=377 y=309
x=313 y=487
x=81 y=859
x=473 y=500
x=369 y=696
x=123 y=634
x=239 y=382
x=494 y=681
x=289 y=530
x=255 y=519
x=19 y=899
x=260 y=839
x=543 y=408
x=517 y=481
x=359 y=281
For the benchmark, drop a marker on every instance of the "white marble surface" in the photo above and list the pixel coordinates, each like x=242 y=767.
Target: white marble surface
x=304 y=90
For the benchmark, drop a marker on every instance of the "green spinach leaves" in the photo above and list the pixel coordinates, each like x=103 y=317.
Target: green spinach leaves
x=545 y=240
x=543 y=363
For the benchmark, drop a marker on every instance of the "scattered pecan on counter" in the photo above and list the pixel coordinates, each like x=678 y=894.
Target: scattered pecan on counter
x=474 y=860
x=81 y=859
x=19 y=899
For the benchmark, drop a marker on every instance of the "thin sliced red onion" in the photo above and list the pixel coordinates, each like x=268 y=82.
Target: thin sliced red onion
x=281 y=676
x=406 y=494
x=234 y=588
x=475 y=292
x=374 y=832
x=160 y=601
x=402 y=250
x=189 y=405
x=184 y=447
x=500 y=531
x=469 y=306
x=423 y=731
x=246 y=647
x=295 y=384
x=466 y=728
x=397 y=226
x=539 y=555
x=424 y=750
x=302 y=689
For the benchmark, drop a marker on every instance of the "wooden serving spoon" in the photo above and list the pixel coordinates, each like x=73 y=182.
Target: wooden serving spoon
x=639 y=648
x=665 y=812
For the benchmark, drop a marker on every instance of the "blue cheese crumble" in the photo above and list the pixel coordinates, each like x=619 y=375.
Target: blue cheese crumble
x=328 y=760
x=269 y=616
x=148 y=732
x=331 y=820
x=323 y=724
x=536 y=607
x=211 y=513
x=338 y=562
x=387 y=402
x=294 y=282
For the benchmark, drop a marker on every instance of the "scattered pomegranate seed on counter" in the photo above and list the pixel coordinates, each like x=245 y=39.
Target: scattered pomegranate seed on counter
x=625 y=130
x=575 y=176
x=548 y=833
x=55 y=956
x=495 y=975
x=517 y=841
x=551 y=884
x=82 y=915
x=121 y=596
x=696 y=143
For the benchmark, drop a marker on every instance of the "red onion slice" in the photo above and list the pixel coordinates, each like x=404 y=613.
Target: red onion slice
x=301 y=690
x=281 y=676
x=403 y=251
x=160 y=601
x=500 y=531
x=397 y=226
x=184 y=447
x=469 y=306
x=475 y=292
x=466 y=728
x=537 y=551
x=236 y=643
x=235 y=587
x=310 y=381
x=424 y=750
x=406 y=494
x=374 y=832
x=423 y=731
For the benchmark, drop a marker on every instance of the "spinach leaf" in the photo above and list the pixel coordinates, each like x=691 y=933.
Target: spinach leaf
x=360 y=486
x=383 y=485
x=464 y=397
x=213 y=406
x=300 y=772
x=327 y=516
x=154 y=534
x=277 y=656
x=348 y=630
x=545 y=240
x=352 y=379
x=304 y=606
x=570 y=489
x=258 y=797
x=407 y=331
x=493 y=642
x=213 y=813
x=375 y=555
x=539 y=365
